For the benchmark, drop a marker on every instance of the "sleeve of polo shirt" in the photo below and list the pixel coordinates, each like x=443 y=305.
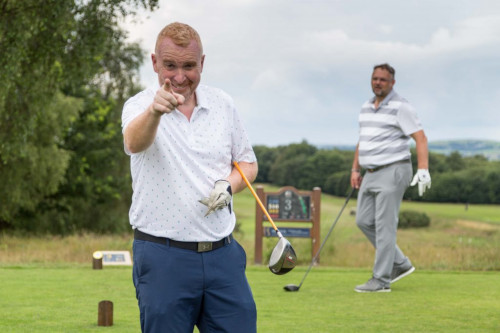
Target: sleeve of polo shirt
x=133 y=107
x=242 y=149
x=408 y=119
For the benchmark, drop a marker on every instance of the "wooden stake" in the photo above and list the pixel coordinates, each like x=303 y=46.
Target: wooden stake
x=97 y=260
x=105 y=313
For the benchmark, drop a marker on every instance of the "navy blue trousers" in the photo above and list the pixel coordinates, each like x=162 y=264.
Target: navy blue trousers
x=177 y=289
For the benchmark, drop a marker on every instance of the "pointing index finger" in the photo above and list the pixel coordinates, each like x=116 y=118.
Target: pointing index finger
x=168 y=86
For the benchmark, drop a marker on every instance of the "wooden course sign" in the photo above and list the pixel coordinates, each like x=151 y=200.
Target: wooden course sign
x=288 y=205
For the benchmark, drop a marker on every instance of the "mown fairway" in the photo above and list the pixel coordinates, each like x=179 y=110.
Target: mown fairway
x=65 y=299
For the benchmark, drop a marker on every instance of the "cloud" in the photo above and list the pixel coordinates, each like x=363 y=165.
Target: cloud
x=468 y=36
x=300 y=69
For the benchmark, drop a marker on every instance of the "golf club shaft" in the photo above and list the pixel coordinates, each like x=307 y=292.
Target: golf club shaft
x=328 y=235
x=256 y=197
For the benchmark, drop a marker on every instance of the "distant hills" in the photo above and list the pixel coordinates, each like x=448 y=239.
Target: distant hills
x=487 y=148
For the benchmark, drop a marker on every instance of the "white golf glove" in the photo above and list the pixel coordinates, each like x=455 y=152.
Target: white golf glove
x=423 y=178
x=219 y=198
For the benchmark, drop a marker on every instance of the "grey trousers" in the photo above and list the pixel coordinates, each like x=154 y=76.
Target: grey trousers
x=379 y=200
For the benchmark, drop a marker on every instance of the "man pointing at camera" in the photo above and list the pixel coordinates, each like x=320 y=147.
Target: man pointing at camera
x=387 y=121
x=182 y=138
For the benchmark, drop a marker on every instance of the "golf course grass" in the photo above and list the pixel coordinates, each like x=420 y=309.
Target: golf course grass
x=65 y=299
x=48 y=284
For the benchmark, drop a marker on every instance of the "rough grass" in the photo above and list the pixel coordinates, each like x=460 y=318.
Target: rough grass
x=57 y=249
x=457 y=239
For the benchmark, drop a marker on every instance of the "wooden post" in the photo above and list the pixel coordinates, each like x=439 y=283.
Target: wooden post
x=105 y=313
x=259 y=231
x=97 y=260
x=316 y=218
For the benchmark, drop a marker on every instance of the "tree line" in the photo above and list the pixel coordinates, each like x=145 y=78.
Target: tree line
x=66 y=70
x=455 y=178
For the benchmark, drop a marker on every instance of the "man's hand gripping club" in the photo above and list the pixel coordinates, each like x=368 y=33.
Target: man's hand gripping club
x=219 y=198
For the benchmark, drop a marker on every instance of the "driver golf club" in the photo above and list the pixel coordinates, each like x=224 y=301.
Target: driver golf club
x=283 y=258
x=294 y=287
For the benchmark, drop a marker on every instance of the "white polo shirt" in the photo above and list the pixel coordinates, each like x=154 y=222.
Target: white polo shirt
x=182 y=165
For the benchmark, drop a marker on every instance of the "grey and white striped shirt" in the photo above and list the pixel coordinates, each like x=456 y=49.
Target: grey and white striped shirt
x=384 y=132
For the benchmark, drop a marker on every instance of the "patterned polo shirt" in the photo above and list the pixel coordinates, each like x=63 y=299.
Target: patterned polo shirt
x=182 y=165
x=384 y=132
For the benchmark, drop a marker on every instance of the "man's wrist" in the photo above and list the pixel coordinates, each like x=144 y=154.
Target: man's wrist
x=355 y=170
x=154 y=111
x=229 y=189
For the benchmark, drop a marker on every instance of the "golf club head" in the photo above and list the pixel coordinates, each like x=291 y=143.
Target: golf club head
x=291 y=287
x=283 y=258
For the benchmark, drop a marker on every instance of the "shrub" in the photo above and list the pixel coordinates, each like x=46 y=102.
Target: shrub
x=413 y=219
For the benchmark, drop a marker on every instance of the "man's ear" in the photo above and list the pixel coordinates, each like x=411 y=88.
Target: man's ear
x=202 y=62
x=155 y=63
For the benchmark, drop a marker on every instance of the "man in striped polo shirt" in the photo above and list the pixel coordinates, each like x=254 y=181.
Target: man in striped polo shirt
x=386 y=122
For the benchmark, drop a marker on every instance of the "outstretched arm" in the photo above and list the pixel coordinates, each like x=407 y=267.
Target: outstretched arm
x=141 y=131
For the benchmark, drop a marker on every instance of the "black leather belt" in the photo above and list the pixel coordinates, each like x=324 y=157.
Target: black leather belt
x=193 y=246
x=386 y=165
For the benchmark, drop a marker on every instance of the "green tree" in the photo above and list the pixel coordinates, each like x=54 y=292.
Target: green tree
x=289 y=166
x=322 y=165
x=40 y=165
x=338 y=183
x=96 y=190
x=493 y=181
x=55 y=53
x=265 y=158
x=437 y=162
x=455 y=161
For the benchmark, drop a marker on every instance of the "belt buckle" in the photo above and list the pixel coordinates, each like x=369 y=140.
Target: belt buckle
x=204 y=246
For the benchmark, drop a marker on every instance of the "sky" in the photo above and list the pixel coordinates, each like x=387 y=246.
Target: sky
x=300 y=69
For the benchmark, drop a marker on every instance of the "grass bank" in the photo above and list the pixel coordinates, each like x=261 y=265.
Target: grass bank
x=459 y=238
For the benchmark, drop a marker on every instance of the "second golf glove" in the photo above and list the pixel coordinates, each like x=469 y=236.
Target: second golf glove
x=219 y=198
x=423 y=178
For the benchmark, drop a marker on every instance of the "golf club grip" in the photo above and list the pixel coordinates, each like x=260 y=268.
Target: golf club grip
x=255 y=195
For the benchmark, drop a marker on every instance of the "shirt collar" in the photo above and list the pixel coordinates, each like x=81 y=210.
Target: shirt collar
x=387 y=98
x=201 y=98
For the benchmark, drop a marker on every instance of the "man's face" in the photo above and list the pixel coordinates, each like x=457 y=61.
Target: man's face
x=181 y=65
x=382 y=82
